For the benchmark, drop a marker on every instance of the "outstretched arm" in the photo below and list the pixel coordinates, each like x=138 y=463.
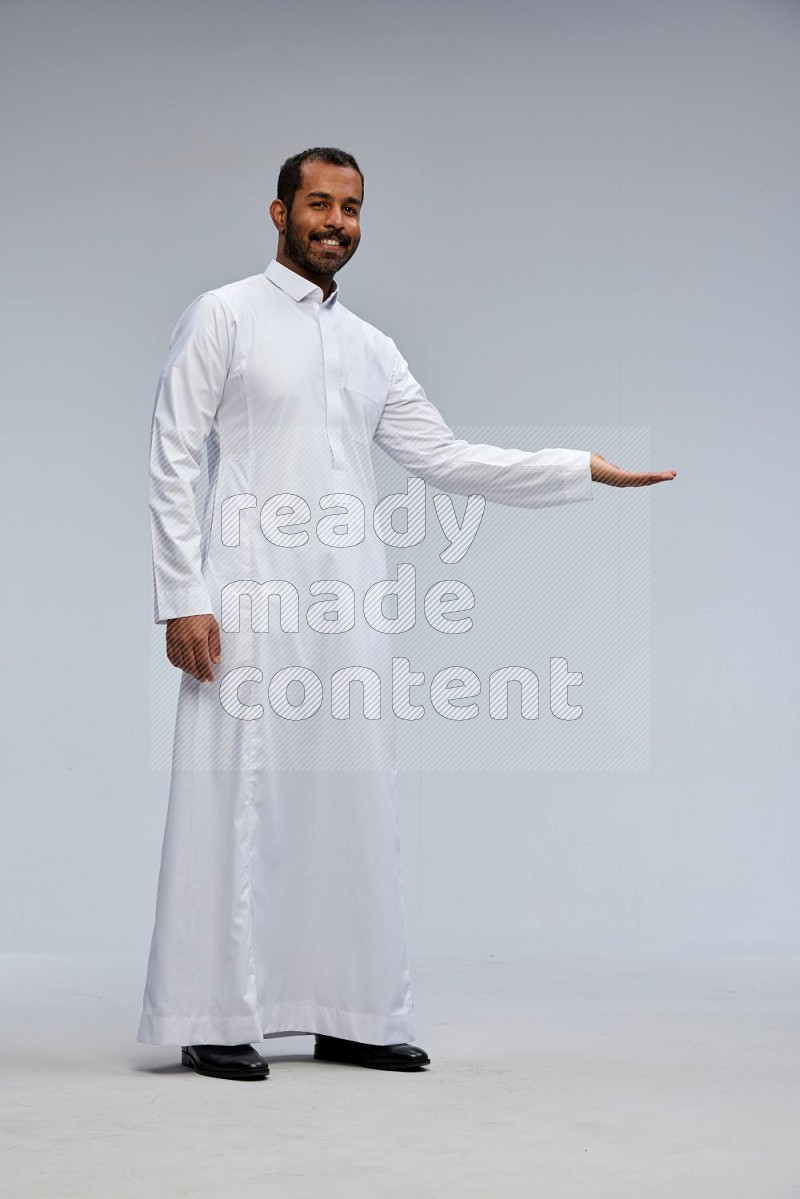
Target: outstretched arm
x=413 y=432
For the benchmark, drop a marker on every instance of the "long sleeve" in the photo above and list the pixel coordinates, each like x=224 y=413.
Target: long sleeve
x=412 y=431
x=188 y=395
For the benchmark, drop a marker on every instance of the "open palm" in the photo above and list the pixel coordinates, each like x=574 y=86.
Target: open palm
x=614 y=476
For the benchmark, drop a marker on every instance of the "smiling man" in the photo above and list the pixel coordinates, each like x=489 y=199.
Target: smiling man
x=279 y=909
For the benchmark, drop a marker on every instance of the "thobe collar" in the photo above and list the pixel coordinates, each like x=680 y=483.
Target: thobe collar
x=296 y=286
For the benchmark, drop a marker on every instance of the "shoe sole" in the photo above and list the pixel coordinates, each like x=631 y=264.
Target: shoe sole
x=236 y=1076
x=348 y=1061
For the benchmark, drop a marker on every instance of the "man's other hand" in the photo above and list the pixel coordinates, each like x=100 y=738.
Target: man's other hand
x=193 y=644
x=607 y=472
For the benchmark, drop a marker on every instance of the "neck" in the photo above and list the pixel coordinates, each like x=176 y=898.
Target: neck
x=325 y=282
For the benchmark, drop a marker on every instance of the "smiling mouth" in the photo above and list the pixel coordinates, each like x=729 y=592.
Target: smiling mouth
x=330 y=243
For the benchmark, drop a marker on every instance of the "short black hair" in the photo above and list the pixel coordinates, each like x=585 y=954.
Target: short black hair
x=290 y=175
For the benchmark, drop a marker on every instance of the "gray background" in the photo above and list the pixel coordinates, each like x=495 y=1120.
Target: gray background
x=577 y=214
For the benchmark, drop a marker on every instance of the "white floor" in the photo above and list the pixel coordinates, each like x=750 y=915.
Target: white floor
x=607 y=1077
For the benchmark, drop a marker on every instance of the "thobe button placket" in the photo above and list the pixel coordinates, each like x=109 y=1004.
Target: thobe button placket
x=326 y=318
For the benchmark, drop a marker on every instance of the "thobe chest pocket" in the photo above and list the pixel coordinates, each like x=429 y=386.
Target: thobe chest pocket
x=362 y=400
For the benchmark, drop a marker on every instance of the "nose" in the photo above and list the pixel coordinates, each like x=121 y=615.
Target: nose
x=335 y=219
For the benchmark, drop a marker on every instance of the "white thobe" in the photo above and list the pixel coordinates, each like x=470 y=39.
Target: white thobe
x=279 y=907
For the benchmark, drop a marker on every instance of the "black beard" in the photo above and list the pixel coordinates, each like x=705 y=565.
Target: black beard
x=295 y=249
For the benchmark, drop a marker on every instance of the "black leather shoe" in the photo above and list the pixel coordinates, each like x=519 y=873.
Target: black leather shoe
x=225 y=1061
x=377 y=1057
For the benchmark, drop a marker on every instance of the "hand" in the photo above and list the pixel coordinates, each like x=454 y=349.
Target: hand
x=607 y=472
x=193 y=644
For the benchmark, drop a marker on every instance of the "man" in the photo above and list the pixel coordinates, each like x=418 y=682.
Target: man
x=279 y=908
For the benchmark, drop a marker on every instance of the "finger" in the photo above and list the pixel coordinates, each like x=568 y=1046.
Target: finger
x=642 y=479
x=214 y=643
x=203 y=663
x=194 y=664
x=176 y=652
x=664 y=476
x=183 y=657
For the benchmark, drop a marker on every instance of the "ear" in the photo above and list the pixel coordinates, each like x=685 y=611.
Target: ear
x=277 y=210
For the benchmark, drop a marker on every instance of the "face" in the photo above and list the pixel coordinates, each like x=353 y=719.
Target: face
x=323 y=230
